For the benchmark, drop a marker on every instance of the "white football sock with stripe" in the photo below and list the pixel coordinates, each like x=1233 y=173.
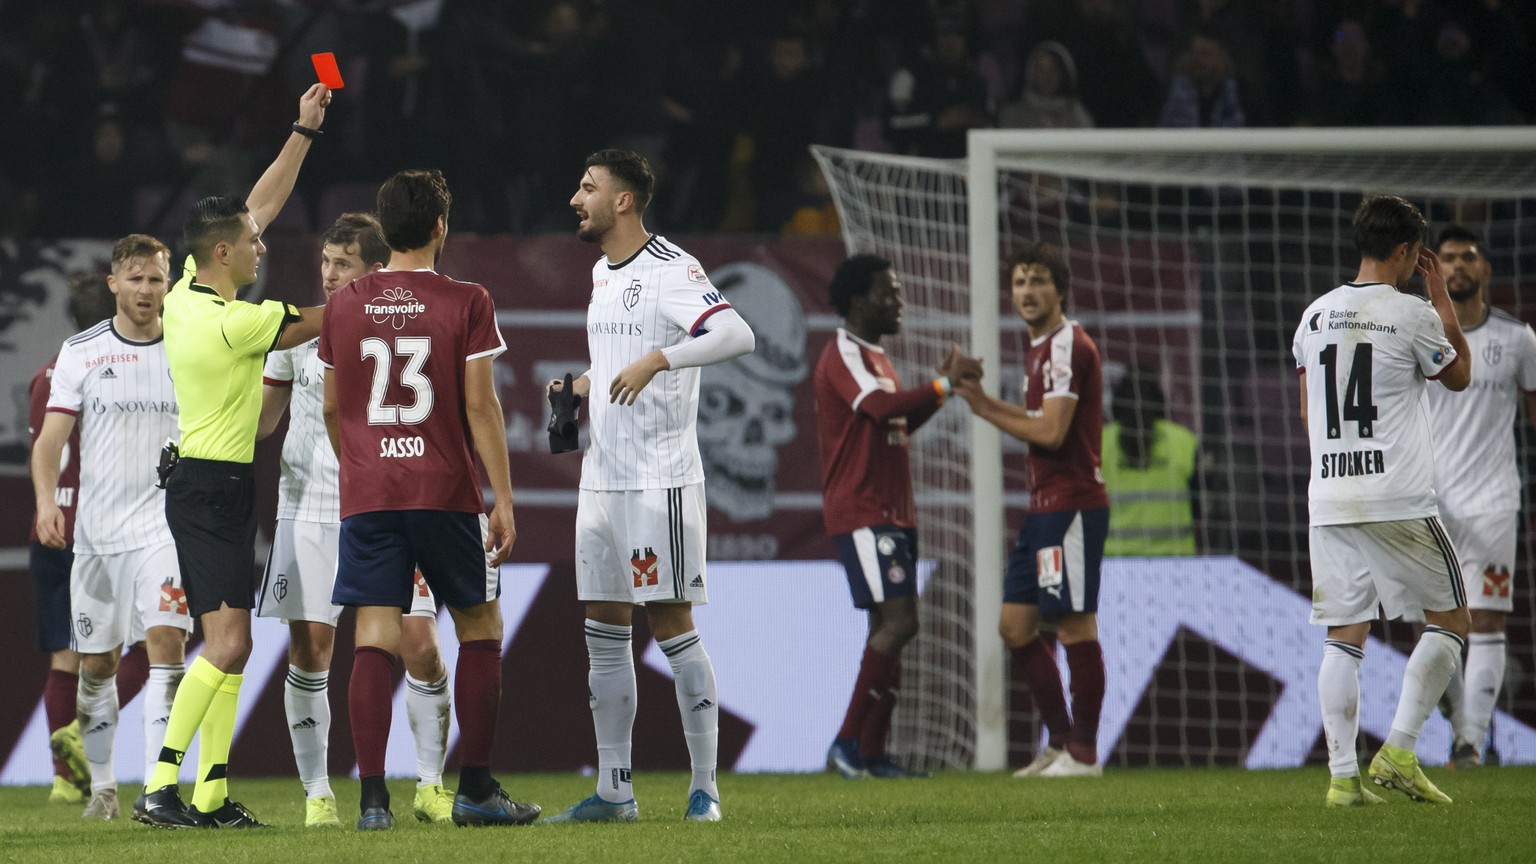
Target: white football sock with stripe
x=159 y=693
x=96 y=703
x=1430 y=666
x=307 y=704
x=1338 y=690
x=429 y=705
x=1485 y=677
x=699 y=703
x=611 y=695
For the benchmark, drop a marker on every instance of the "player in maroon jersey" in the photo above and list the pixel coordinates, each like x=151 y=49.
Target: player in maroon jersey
x=863 y=420
x=1053 y=570
x=410 y=388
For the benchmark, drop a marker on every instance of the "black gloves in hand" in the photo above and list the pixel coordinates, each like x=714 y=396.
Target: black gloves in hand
x=566 y=408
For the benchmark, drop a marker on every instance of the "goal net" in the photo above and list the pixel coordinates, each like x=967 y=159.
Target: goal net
x=1192 y=256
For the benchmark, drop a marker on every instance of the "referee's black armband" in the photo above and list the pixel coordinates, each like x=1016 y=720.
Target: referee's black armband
x=290 y=315
x=311 y=134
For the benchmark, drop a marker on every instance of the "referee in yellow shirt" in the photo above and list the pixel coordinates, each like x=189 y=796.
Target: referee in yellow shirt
x=216 y=345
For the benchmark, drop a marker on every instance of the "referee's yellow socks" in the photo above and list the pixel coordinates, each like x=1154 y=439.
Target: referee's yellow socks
x=218 y=733
x=193 y=697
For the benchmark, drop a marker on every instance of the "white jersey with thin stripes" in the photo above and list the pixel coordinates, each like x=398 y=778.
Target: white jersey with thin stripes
x=120 y=393
x=1475 y=467
x=308 y=486
x=656 y=298
x=1368 y=350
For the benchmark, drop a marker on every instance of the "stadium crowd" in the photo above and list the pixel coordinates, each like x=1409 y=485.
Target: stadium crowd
x=116 y=112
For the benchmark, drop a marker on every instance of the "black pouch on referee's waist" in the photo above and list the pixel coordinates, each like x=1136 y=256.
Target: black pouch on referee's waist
x=168 y=456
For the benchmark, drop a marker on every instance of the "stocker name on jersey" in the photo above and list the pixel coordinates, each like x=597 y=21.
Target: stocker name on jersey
x=1352 y=463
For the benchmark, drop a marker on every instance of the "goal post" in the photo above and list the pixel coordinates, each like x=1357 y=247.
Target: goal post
x=1192 y=253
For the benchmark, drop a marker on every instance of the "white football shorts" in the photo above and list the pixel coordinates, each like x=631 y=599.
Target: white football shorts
x=301 y=571
x=642 y=546
x=1407 y=566
x=115 y=598
x=1486 y=546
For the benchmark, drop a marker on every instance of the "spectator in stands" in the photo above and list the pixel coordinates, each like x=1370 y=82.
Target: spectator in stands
x=1461 y=89
x=1352 y=78
x=703 y=115
x=93 y=196
x=1117 y=87
x=1203 y=90
x=934 y=101
x=1048 y=96
x=815 y=212
x=402 y=82
x=1258 y=37
x=783 y=115
x=1149 y=465
x=224 y=57
x=1405 y=33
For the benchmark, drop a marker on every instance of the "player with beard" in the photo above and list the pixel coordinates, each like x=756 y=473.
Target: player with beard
x=1053 y=570
x=125 y=583
x=1477 y=477
x=654 y=318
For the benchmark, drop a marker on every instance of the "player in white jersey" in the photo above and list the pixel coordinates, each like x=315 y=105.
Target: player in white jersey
x=1365 y=351
x=1477 y=477
x=653 y=319
x=113 y=379
x=301 y=568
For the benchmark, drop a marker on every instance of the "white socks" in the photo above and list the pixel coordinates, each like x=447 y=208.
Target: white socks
x=1484 y=678
x=1430 y=667
x=429 y=705
x=96 y=704
x=159 y=693
x=307 y=704
x=699 y=704
x=611 y=685
x=1338 y=690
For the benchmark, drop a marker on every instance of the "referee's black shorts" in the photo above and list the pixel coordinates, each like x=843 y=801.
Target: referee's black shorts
x=211 y=509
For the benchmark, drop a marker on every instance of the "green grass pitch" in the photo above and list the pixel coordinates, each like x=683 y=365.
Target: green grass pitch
x=1222 y=815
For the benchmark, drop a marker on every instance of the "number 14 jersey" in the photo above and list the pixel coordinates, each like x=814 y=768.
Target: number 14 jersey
x=1368 y=351
x=396 y=343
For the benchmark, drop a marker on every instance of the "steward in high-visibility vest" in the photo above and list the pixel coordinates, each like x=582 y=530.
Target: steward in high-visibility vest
x=1150 y=511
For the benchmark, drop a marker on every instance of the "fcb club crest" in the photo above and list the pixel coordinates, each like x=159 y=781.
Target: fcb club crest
x=632 y=295
x=644 y=567
x=172 y=598
x=1493 y=352
x=1496 y=581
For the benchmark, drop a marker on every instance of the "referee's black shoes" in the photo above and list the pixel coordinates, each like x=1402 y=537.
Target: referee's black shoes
x=163 y=808
x=230 y=814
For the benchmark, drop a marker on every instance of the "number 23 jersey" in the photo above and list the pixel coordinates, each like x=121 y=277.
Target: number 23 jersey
x=397 y=343
x=1367 y=351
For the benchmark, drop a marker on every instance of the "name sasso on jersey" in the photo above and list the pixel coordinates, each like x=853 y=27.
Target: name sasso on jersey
x=401 y=448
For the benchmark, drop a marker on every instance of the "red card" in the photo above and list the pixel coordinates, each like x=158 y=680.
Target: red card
x=325 y=67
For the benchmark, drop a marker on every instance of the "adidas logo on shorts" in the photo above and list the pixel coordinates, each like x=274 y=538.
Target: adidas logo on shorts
x=698 y=582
